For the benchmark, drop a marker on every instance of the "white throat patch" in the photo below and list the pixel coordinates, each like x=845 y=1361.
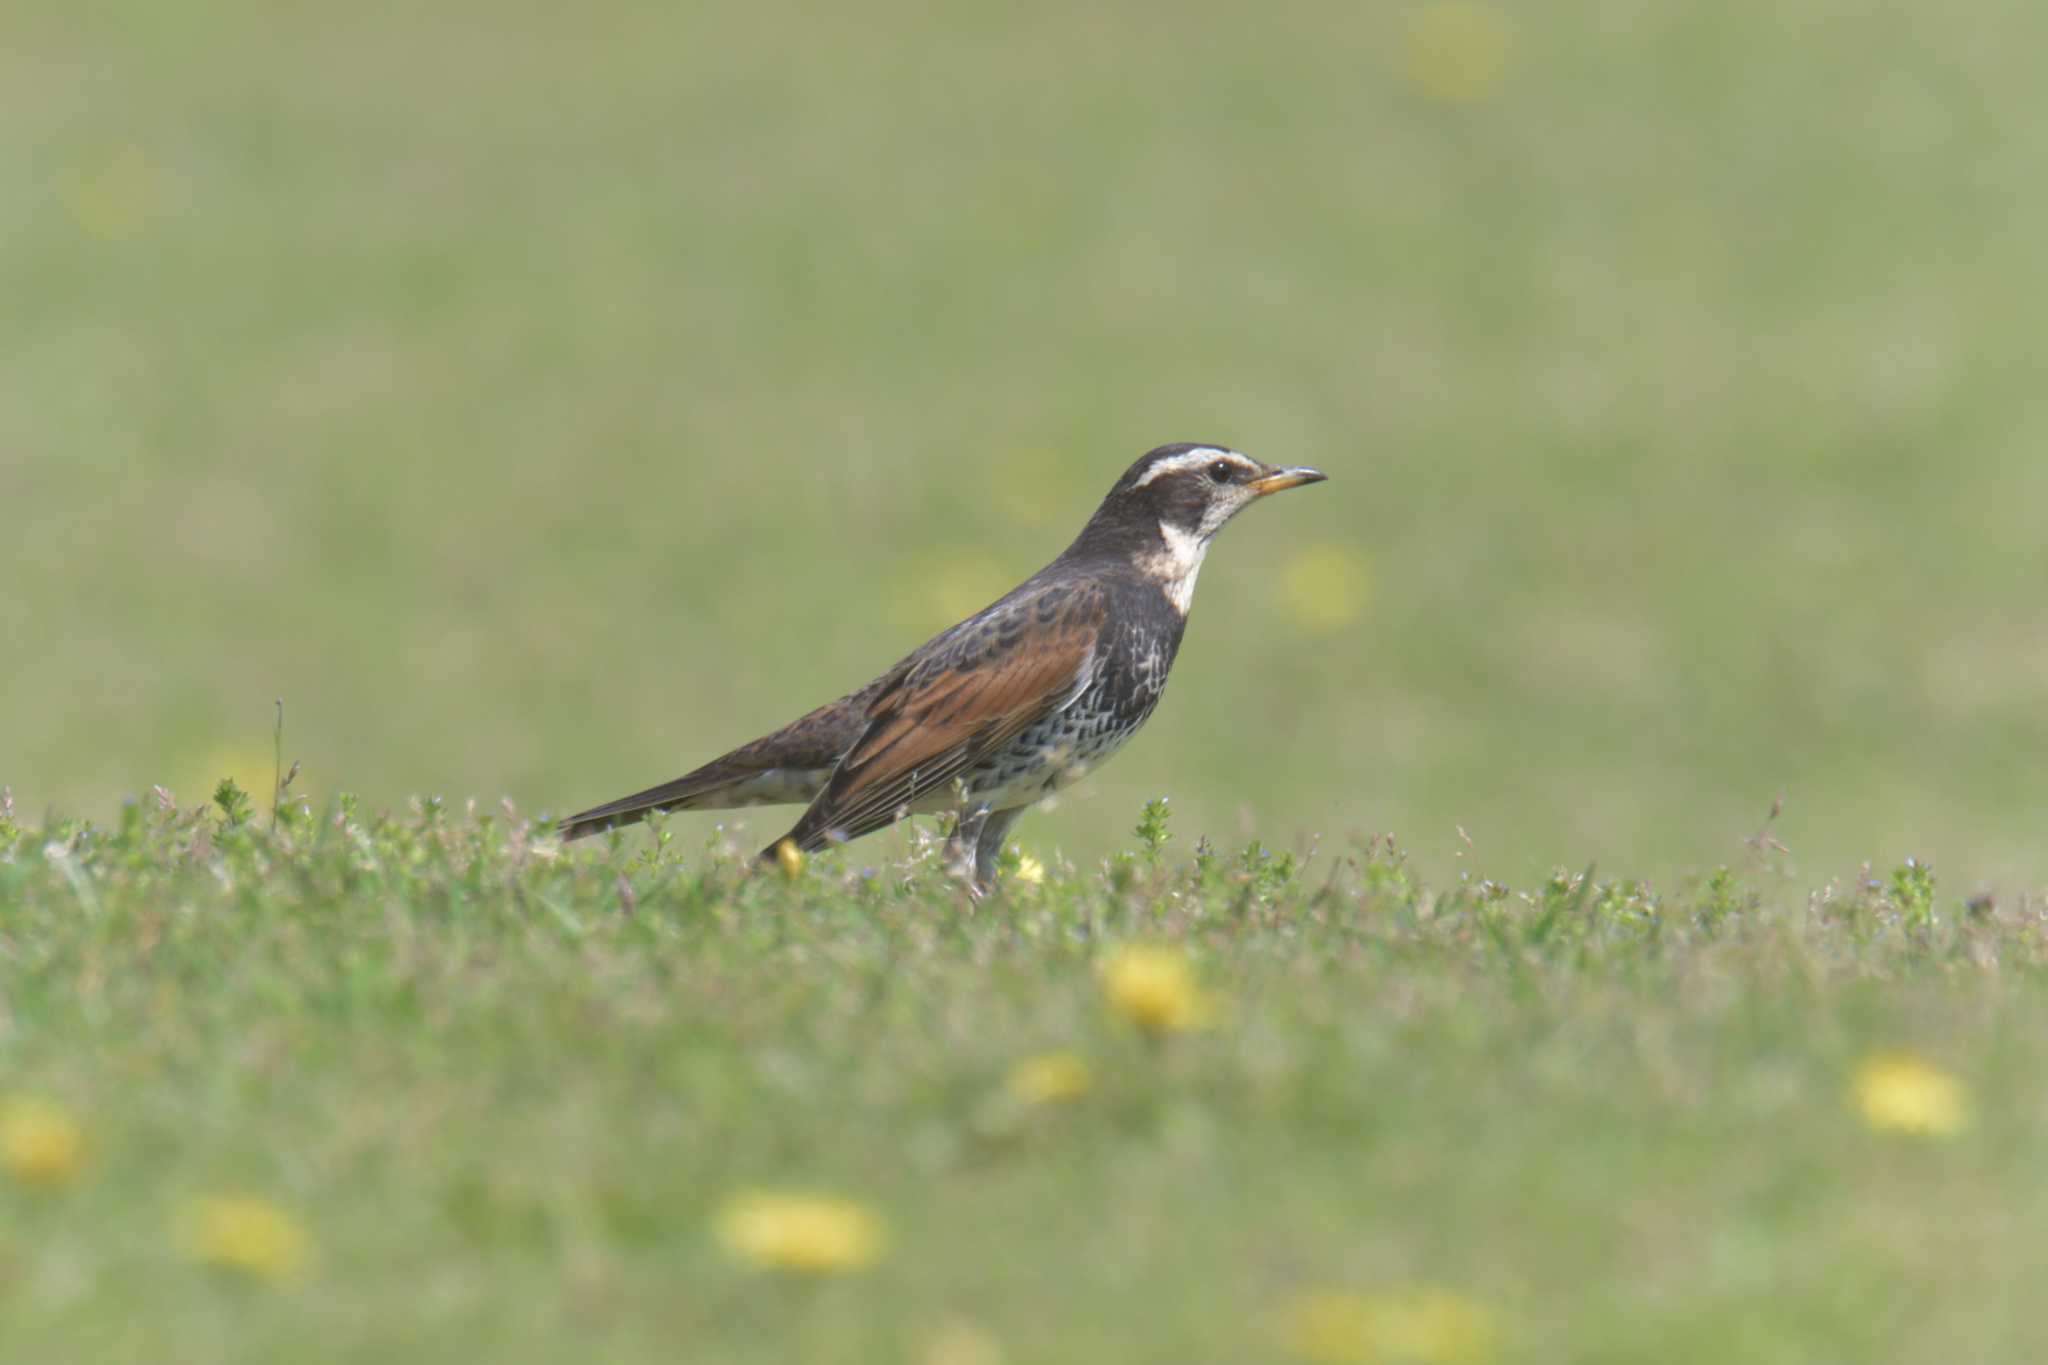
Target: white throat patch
x=1178 y=565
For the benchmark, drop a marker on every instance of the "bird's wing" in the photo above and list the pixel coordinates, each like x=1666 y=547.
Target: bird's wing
x=964 y=697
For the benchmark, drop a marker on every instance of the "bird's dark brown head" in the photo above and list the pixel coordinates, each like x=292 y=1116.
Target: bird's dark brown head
x=1162 y=513
x=1189 y=488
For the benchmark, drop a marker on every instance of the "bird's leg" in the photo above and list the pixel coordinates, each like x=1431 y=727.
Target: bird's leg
x=958 y=857
x=988 y=846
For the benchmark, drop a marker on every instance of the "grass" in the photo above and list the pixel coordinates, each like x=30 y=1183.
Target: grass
x=506 y=1096
x=543 y=401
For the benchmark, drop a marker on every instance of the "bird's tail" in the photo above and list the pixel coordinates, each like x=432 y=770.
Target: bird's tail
x=706 y=787
x=788 y=766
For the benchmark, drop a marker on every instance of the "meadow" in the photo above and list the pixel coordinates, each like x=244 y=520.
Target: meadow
x=543 y=401
x=426 y=1088
x=540 y=400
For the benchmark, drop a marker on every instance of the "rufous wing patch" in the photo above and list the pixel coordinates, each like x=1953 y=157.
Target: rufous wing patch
x=952 y=711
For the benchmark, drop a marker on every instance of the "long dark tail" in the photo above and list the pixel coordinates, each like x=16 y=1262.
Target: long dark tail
x=700 y=788
x=789 y=766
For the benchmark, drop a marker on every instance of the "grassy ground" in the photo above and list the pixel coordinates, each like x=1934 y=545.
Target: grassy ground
x=491 y=1102
x=541 y=399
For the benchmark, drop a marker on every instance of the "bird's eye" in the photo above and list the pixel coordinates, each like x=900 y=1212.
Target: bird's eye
x=1223 y=471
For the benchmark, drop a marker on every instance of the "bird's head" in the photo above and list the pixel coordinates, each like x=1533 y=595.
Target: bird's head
x=1195 y=489
x=1165 y=509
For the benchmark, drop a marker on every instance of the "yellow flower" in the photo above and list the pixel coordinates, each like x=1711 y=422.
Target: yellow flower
x=41 y=1144
x=1029 y=485
x=942 y=588
x=1899 y=1091
x=790 y=858
x=253 y=770
x=1457 y=51
x=113 y=197
x=1030 y=871
x=1051 y=1078
x=248 y=1236
x=809 y=1234
x=1153 y=986
x=1324 y=588
x=957 y=1341
x=1422 y=1324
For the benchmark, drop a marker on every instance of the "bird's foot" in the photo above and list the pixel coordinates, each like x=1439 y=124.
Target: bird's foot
x=958 y=862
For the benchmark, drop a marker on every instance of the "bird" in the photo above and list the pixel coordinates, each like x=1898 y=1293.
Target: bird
x=990 y=716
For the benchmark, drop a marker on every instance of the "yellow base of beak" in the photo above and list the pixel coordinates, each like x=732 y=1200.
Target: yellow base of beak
x=1281 y=479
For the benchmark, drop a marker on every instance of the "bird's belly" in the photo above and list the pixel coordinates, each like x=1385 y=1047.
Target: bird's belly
x=1057 y=751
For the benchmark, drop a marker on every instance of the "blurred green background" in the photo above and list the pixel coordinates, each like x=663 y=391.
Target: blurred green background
x=541 y=399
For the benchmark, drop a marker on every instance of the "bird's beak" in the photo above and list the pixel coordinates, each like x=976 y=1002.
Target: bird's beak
x=1281 y=479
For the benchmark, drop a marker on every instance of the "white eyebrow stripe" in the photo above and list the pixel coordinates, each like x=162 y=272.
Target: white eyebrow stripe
x=1189 y=459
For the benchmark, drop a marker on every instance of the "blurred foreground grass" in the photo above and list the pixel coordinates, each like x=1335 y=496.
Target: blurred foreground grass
x=428 y=1089
x=544 y=399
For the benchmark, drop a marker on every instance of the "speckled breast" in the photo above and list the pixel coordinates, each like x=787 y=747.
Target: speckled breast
x=1129 y=677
